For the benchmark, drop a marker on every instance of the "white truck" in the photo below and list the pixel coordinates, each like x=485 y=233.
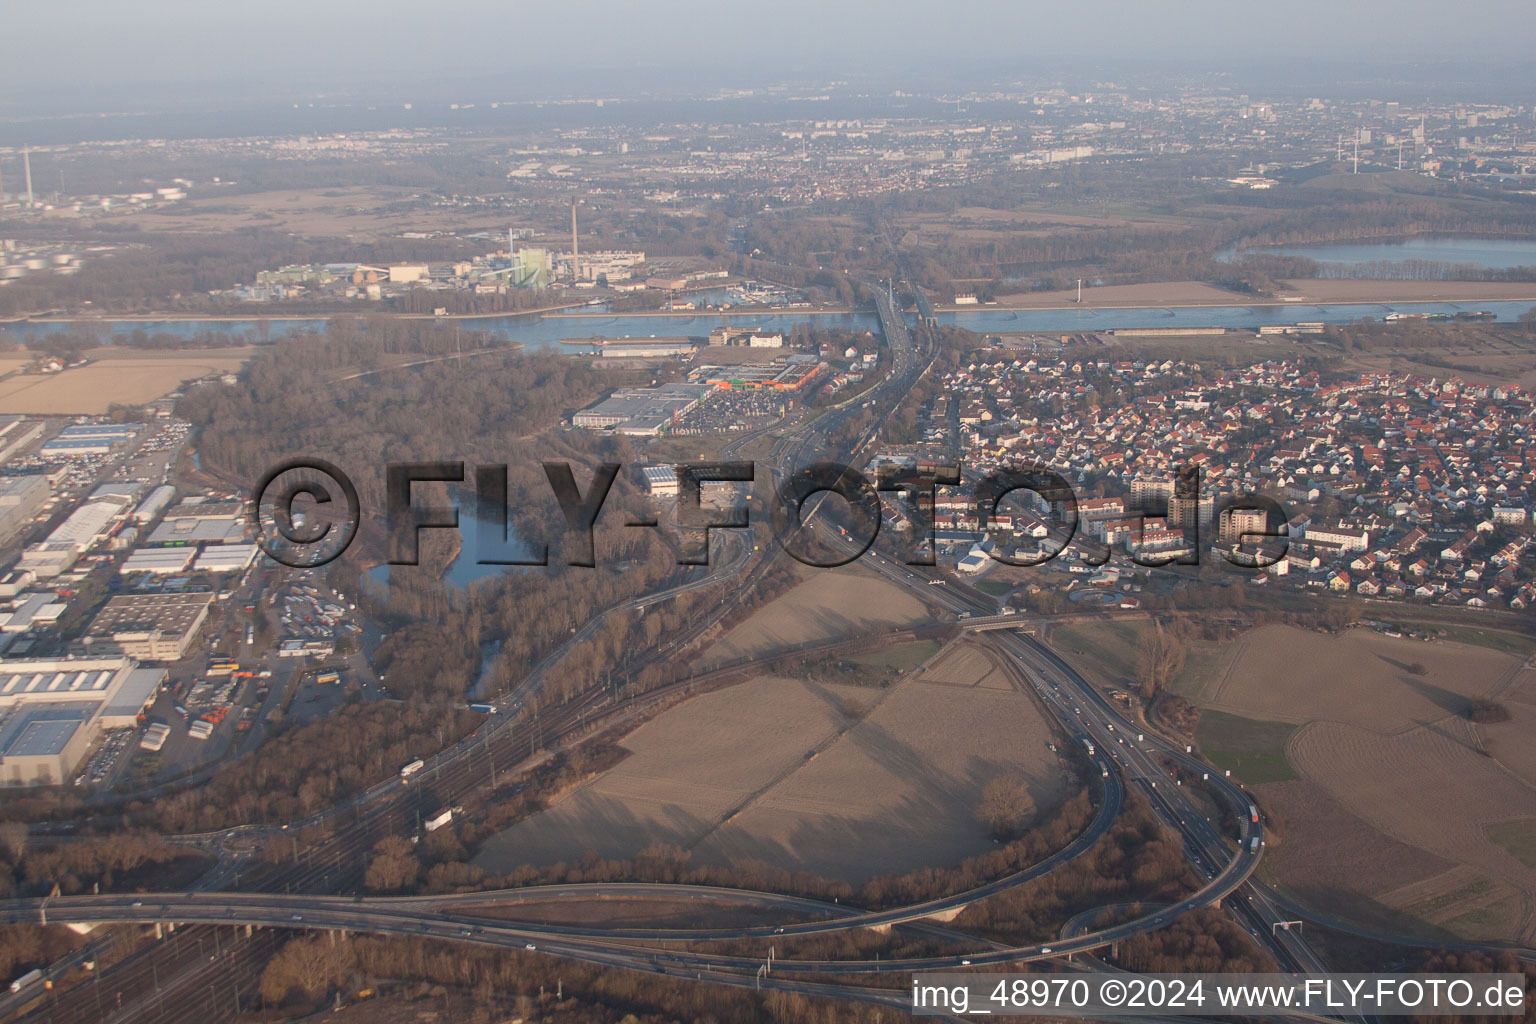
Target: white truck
x=27 y=980
x=412 y=768
x=438 y=821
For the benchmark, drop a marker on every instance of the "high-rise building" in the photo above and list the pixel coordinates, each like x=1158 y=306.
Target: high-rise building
x=1151 y=495
x=1239 y=522
x=1185 y=513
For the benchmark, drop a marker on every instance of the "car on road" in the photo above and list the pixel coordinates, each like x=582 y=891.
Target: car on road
x=295 y=917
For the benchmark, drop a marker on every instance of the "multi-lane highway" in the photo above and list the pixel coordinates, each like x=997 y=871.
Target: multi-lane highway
x=1123 y=755
x=386 y=808
x=446 y=917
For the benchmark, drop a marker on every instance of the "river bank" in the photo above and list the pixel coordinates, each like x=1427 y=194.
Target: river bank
x=1198 y=294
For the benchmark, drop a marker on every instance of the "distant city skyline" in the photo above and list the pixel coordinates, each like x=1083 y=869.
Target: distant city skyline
x=83 y=46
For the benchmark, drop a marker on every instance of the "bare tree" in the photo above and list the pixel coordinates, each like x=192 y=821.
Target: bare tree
x=13 y=838
x=1006 y=806
x=309 y=965
x=394 y=866
x=1161 y=657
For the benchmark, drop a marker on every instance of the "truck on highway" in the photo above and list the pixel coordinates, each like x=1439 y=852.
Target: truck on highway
x=1253 y=844
x=412 y=768
x=1088 y=745
x=485 y=709
x=27 y=980
x=1253 y=814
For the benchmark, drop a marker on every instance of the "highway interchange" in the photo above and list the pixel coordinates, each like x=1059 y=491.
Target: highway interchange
x=1123 y=756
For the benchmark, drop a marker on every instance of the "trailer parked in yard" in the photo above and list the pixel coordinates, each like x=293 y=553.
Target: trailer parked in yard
x=155 y=736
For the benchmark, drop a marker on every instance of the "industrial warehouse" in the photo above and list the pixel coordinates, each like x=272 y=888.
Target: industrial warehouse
x=642 y=411
x=635 y=348
x=150 y=627
x=52 y=711
x=21 y=498
x=652 y=411
x=84 y=439
x=802 y=370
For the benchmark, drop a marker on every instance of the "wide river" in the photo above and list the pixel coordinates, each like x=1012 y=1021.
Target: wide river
x=1489 y=253
x=537 y=331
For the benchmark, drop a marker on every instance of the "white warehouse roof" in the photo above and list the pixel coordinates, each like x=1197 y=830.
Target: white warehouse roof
x=159 y=560
x=33 y=608
x=135 y=693
x=88 y=523
x=209 y=529
x=224 y=557
x=61 y=679
x=158 y=500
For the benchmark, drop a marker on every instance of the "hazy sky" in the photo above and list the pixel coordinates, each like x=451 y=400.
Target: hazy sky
x=299 y=44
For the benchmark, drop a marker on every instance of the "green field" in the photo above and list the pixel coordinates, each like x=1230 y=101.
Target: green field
x=1254 y=751
x=997 y=588
x=1504 y=643
x=1109 y=652
x=901 y=657
x=1518 y=837
x=1107 y=649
